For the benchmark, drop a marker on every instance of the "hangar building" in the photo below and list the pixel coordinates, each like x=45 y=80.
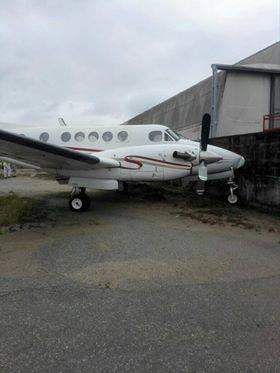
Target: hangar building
x=244 y=94
x=244 y=100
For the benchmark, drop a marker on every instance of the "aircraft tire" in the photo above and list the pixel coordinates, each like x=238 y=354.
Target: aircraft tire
x=79 y=202
x=233 y=199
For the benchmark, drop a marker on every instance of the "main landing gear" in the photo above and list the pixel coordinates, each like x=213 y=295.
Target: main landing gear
x=232 y=198
x=79 y=200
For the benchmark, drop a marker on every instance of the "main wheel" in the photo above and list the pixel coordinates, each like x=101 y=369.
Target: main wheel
x=79 y=202
x=232 y=198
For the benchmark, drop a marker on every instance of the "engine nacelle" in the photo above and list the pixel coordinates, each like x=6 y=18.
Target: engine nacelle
x=186 y=156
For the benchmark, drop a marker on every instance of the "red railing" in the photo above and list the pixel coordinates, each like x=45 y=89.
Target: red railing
x=271 y=122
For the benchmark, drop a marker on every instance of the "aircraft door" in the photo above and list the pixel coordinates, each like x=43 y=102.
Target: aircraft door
x=158 y=172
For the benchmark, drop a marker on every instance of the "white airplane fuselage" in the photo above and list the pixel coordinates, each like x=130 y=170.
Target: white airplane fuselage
x=144 y=152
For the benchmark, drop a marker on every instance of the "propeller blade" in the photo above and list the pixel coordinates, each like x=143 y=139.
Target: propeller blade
x=202 y=171
x=205 y=130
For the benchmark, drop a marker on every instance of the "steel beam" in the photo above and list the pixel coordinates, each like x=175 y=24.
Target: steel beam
x=214 y=100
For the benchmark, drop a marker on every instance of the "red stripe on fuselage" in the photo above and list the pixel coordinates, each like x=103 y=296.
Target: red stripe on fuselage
x=126 y=159
x=84 y=149
x=140 y=164
x=158 y=160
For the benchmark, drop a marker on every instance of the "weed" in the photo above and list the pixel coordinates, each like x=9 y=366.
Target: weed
x=15 y=209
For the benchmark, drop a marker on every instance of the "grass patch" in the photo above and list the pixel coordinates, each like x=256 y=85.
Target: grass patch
x=44 y=176
x=15 y=209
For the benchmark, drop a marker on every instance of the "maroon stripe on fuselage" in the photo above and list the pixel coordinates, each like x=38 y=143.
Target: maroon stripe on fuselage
x=127 y=159
x=84 y=149
x=158 y=160
x=138 y=163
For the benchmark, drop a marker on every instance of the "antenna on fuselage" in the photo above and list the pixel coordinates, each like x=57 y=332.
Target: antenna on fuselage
x=61 y=122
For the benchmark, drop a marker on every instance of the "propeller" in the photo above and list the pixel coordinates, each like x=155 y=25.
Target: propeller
x=205 y=130
x=203 y=156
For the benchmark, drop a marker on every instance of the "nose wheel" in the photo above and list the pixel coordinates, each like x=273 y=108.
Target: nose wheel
x=79 y=200
x=232 y=198
x=200 y=188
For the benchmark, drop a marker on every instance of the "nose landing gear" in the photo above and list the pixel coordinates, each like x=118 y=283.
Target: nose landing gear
x=232 y=198
x=200 y=187
x=79 y=200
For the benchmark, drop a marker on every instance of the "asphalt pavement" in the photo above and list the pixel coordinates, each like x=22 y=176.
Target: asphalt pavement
x=134 y=285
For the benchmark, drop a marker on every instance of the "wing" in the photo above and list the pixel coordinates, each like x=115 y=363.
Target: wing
x=47 y=156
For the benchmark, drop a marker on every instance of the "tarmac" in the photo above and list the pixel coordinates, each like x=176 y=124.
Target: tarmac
x=138 y=284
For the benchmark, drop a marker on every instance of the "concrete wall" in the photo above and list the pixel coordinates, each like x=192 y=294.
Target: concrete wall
x=270 y=55
x=259 y=179
x=184 y=111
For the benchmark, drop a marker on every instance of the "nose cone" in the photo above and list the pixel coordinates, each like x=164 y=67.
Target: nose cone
x=239 y=161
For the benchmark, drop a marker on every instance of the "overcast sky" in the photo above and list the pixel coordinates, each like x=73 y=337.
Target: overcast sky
x=104 y=61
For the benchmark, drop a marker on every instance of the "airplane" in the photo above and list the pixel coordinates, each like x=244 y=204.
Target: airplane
x=107 y=158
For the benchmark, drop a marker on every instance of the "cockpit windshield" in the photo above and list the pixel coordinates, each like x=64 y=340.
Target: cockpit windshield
x=175 y=136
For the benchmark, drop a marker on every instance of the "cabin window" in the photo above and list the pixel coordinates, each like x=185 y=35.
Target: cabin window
x=66 y=136
x=155 y=136
x=80 y=136
x=122 y=136
x=107 y=136
x=44 y=136
x=167 y=137
x=93 y=136
x=174 y=135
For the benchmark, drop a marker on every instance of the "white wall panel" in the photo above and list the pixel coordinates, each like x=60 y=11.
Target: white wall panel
x=244 y=103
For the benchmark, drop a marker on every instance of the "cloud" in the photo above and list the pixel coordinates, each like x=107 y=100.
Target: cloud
x=105 y=61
